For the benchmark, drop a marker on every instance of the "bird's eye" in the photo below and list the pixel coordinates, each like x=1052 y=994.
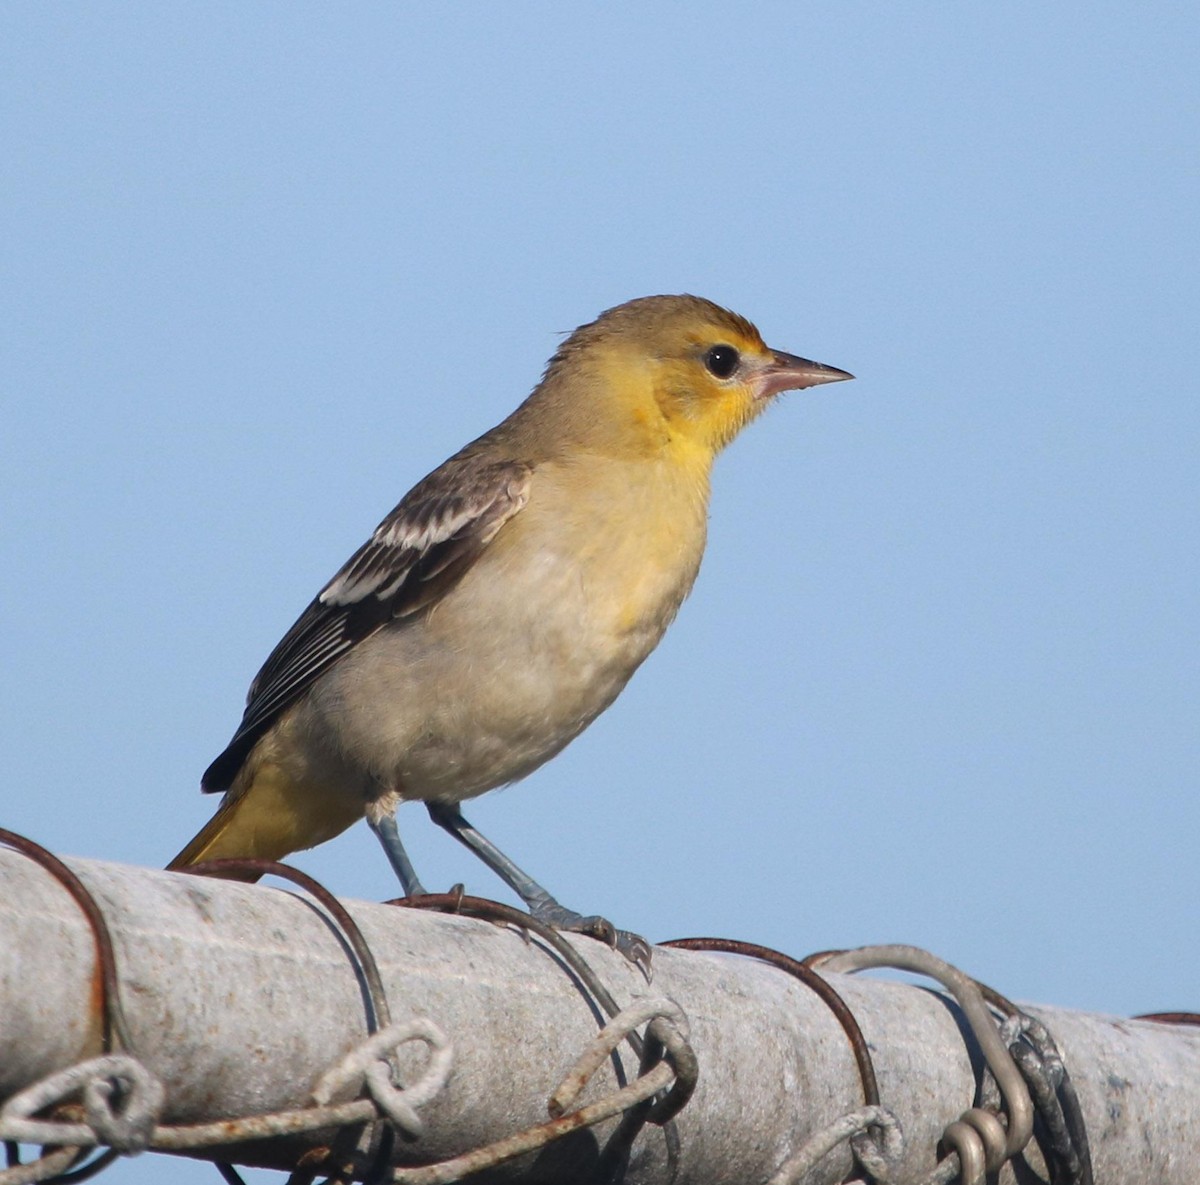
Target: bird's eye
x=722 y=361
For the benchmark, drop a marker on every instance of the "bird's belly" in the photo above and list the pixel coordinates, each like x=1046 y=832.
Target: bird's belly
x=491 y=684
x=499 y=720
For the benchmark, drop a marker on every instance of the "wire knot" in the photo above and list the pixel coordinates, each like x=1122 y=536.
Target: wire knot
x=370 y=1064
x=668 y=1026
x=122 y=1103
x=879 y=1144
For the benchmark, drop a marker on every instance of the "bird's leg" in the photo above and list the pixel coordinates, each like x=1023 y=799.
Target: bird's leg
x=382 y=820
x=540 y=903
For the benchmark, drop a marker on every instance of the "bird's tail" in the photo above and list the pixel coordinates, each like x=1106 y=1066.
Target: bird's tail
x=218 y=839
x=267 y=814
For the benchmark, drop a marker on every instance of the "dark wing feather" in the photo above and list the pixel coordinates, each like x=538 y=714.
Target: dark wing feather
x=415 y=554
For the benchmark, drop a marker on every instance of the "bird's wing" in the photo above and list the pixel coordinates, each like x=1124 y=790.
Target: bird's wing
x=414 y=556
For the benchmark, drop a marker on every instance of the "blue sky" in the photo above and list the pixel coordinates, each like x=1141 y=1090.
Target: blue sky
x=939 y=680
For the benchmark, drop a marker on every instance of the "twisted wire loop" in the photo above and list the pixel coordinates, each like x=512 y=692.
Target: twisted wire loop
x=369 y=1064
x=373 y=1139
x=1063 y=1134
x=122 y=1101
x=133 y=1125
x=666 y=1080
x=675 y=1074
x=1025 y=1077
x=876 y=1146
x=875 y=1159
x=668 y=1025
x=127 y=1127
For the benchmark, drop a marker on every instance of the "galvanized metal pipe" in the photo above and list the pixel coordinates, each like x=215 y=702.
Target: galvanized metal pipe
x=237 y=997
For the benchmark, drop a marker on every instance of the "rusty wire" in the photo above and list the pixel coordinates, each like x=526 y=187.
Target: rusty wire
x=1045 y=1073
x=114 y=1030
x=1170 y=1018
x=665 y=1081
x=114 y=1033
x=379 y=1015
x=382 y=1015
x=851 y=1127
x=52 y=1166
x=874 y=1142
x=1017 y=1103
x=677 y=1068
x=820 y=986
x=458 y=902
x=678 y=1060
x=85 y=1172
x=660 y=1040
x=1028 y=1079
x=1024 y=1073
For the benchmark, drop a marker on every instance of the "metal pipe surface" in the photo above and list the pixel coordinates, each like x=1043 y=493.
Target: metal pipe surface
x=238 y=997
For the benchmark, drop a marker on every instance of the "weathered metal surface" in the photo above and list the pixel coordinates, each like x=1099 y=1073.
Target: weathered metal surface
x=239 y=997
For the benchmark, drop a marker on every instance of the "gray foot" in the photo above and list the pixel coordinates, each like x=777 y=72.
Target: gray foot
x=633 y=946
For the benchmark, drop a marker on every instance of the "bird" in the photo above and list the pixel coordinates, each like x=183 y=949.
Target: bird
x=506 y=600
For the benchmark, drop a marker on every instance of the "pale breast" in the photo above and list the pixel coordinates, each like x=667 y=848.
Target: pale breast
x=536 y=640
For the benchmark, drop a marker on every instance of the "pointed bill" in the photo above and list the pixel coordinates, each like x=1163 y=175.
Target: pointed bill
x=786 y=372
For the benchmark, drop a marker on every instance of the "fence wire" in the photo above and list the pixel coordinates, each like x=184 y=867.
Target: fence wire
x=112 y=1105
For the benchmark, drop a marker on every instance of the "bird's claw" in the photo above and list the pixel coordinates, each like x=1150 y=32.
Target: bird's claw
x=633 y=946
x=637 y=950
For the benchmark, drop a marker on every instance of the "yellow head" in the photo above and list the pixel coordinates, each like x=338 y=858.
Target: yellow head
x=667 y=371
